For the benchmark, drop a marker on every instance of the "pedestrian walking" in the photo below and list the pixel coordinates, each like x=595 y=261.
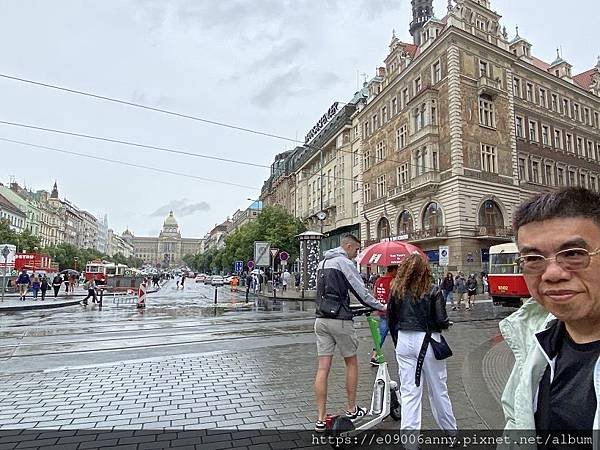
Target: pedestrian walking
x=381 y=292
x=182 y=281
x=35 y=285
x=485 y=284
x=297 y=280
x=91 y=288
x=44 y=286
x=66 y=281
x=72 y=282
x=248 y=285
x=336 y=276
x=285 y=279
x=23 y=282
x=471 y=290
x=555 y=335
x=56 y=283
x=417 y=316
x=460 y=291
x=447 y=286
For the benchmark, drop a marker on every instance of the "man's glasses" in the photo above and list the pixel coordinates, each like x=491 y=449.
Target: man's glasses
x=571 y=259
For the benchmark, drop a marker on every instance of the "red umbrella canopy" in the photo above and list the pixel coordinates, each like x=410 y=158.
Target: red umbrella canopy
x=388 y=253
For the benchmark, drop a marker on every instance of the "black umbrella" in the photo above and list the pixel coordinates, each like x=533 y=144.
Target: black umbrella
x=71 y=272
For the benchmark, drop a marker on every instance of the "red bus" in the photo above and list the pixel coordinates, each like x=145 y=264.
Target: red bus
x=506 y=283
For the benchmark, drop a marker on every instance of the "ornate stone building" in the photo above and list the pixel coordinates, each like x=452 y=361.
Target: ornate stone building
x=463 y=124
x=166 y=250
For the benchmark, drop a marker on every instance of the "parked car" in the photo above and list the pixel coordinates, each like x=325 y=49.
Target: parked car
x=216 y=280
x=227 y=279
x=207 y=279
x=200 y=278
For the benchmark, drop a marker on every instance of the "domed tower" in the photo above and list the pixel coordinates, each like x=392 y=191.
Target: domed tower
x=422 y=11
x=169 y=242
x=170 y=225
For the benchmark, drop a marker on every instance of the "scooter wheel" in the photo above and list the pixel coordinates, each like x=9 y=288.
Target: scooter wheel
x=395 y=407
x=341 y=425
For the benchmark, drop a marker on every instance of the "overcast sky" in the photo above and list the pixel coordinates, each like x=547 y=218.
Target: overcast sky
x=270 y=65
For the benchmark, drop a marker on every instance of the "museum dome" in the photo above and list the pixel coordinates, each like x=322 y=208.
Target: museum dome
x=170 y=221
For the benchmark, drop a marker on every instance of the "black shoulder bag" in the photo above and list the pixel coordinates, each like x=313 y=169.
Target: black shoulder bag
x=441 y=350
x=328 y=308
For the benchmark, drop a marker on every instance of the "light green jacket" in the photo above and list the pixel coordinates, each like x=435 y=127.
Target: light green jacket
x=519 y=398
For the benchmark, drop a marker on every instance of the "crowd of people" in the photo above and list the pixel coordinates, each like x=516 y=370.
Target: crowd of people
x=39 y=284
x=555 y=335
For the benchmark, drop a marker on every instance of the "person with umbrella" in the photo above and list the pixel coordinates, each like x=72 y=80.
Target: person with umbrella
x=56 y=283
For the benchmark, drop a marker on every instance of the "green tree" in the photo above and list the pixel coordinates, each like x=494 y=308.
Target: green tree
x=27 y=241
x=7 y=234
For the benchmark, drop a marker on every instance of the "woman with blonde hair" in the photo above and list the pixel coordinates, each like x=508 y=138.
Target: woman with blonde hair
x=417 y=315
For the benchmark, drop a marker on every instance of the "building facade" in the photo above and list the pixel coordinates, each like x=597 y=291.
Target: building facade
x=12 y=215
x=22 y=199
x=248 y=215
x=90 y=229
x=215 y=238
x=463 y=124
x=166 y=250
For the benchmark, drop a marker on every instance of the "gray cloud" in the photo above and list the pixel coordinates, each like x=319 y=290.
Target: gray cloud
x=287 y=84
x=377 y=8
x=180 y=208
x=283 y=53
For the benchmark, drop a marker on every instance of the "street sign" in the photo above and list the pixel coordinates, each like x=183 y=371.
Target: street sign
x=8 y=252
x=239 y=266
x=444 y=255
x=250 y=265
x=283 y=256
x=261 y=254
x=274 y=252
x=5 y=252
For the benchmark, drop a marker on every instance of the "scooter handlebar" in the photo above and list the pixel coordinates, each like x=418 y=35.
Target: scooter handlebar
x=359 y=310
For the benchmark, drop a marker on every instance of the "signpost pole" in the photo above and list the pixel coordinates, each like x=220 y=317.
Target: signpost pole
x=4 y=279
x=5 y=253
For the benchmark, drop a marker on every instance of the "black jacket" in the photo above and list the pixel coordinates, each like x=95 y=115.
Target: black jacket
x=429 y=312
x=448 y=284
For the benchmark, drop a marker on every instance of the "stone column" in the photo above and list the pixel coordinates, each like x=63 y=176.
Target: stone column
x=455 y=111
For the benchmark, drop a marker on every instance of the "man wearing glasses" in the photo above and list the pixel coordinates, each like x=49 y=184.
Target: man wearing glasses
x=555 y=335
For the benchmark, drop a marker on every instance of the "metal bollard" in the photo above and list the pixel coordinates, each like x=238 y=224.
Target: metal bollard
x=215 y=295
x=100 y=299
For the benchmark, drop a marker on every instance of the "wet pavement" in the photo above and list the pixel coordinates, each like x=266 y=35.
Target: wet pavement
x=186 y=363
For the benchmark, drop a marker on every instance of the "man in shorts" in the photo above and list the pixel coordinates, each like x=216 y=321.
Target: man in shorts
x=337 y=275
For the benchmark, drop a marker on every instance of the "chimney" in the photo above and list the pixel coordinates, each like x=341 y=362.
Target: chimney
x=381 y=71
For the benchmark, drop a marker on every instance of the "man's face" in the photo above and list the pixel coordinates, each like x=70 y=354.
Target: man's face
x=352 y=249
x=570 y=296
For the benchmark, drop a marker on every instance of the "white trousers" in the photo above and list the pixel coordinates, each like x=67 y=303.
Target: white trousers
x=433 y=373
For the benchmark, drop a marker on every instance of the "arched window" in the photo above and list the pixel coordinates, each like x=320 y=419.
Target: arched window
x=405 y=223
x=383 y=229
x=432 y=217
x=490 y=216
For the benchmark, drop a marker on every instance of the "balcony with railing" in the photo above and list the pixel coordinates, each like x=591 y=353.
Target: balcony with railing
x=428 y=234
x=427 y=182
x=489 y=86
x=375 y=203
x=493 y=232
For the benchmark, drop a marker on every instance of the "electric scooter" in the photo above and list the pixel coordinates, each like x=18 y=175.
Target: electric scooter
x=386 y=398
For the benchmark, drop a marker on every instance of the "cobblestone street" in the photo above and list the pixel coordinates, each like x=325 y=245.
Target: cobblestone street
x=246 y=369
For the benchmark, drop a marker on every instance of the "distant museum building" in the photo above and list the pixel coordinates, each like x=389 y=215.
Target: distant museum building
x=166 y=250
